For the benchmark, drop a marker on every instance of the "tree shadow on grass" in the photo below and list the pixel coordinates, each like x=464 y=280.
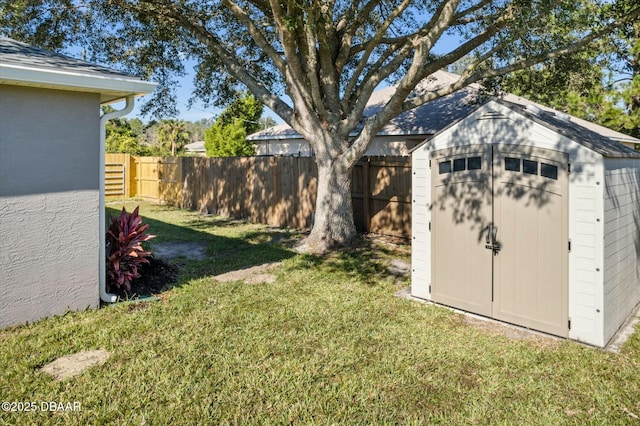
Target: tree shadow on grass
x=366 y=261
x=223 y=253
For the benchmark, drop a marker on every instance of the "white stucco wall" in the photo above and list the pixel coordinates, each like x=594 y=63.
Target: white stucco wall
x=49 y=194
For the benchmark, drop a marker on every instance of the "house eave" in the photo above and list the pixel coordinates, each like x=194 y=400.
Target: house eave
x=110 y=88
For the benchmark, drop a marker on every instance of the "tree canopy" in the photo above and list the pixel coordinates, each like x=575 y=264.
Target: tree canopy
x=173 y=135
x=601 y=85
x=228 y=135
x=317 y=63
x=228 y=140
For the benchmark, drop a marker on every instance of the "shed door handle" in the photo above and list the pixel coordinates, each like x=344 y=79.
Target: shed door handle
x=487 y=236
x=495 y=233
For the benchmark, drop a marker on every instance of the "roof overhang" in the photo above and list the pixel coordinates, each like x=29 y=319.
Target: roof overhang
x=111 y=88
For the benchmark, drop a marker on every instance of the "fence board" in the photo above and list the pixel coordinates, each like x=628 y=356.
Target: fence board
x=115 y=179
x=278 y=191
x=170 y=180
x=118 y=175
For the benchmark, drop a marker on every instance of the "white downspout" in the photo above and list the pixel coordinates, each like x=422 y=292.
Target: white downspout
x=104 y=296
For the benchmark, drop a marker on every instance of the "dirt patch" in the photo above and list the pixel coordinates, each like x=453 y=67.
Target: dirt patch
x=253 y=275
x=399 y=267
x=73 y=365
x=261 y=279
x=490 y=326
x=510 y=331
x=396 y=244
x=172 y=250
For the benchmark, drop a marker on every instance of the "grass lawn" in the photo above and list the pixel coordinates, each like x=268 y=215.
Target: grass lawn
x=327 y=343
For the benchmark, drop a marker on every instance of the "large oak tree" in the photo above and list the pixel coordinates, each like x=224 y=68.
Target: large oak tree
x=316 y=63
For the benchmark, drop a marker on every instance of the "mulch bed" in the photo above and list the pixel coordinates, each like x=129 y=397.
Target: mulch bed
x=155 y=277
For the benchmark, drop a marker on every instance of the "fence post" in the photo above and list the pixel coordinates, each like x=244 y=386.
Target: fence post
x=138 y=182
x=366 y=195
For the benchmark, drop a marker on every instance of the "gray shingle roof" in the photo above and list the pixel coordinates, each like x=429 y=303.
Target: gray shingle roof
x=435 y=116
x=422 y=121
x=25 y=55
x=599 y=139
x=25 y=65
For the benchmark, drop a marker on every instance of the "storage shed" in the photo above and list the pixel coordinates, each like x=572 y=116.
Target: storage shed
x=52 y=179
x=528 y=216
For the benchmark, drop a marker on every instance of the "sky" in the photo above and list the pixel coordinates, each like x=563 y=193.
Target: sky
x=199 y=111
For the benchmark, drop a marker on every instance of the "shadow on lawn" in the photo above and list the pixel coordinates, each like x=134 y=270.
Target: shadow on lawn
x=222 y=254
x=366 y=261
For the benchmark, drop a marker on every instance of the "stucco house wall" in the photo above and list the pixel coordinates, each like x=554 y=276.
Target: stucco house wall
x=49 y=196
x=286 y=147
x=52 y=239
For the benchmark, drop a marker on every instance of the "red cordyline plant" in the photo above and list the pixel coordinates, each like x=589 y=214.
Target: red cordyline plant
x=124 y=249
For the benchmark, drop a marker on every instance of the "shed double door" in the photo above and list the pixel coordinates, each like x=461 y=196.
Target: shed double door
x=499 y=234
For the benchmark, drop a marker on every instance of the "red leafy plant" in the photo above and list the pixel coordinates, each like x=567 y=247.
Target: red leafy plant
x=125 y=253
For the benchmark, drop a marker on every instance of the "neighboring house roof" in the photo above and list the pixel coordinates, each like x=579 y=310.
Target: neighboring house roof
x=195 y=147
x=441 y=113
x=424 y=120
x=25 y=65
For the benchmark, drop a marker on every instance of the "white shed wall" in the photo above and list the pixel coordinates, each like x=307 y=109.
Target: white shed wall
x=49 y=198
x=585 y=259
x=420 y=219
x=494 y=123
x=621 y=242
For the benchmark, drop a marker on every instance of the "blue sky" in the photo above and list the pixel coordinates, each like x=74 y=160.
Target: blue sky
x=199 y=111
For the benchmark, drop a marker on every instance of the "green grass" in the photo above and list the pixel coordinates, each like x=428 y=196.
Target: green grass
x=327 y=343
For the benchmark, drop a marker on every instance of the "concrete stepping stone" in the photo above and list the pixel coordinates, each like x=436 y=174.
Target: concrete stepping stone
x=73 y=365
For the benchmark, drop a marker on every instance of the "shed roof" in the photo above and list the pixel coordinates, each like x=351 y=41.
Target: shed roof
x=602 y=140
x=25 y=65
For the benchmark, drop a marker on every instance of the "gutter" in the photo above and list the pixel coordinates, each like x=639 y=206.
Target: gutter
x=104 y=296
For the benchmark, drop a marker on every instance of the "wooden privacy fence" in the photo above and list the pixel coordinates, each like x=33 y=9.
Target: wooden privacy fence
x=278 y=191
x=159 y=179
x=381 y=191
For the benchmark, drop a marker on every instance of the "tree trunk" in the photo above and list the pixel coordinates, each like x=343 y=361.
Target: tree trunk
x=333 y=224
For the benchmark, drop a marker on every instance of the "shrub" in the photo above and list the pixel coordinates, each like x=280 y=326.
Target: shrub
x=124 y=250
x=227 y=140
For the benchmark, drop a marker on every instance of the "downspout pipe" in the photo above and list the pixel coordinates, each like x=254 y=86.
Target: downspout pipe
x=104 y=296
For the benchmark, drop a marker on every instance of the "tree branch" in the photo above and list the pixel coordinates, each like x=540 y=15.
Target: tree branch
x=234 y=67
x=327 y=51
x=421 y=47
x=458 y=17
x=371 y=45
x=296 y=78
x=470 y=77
x=256 y=34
